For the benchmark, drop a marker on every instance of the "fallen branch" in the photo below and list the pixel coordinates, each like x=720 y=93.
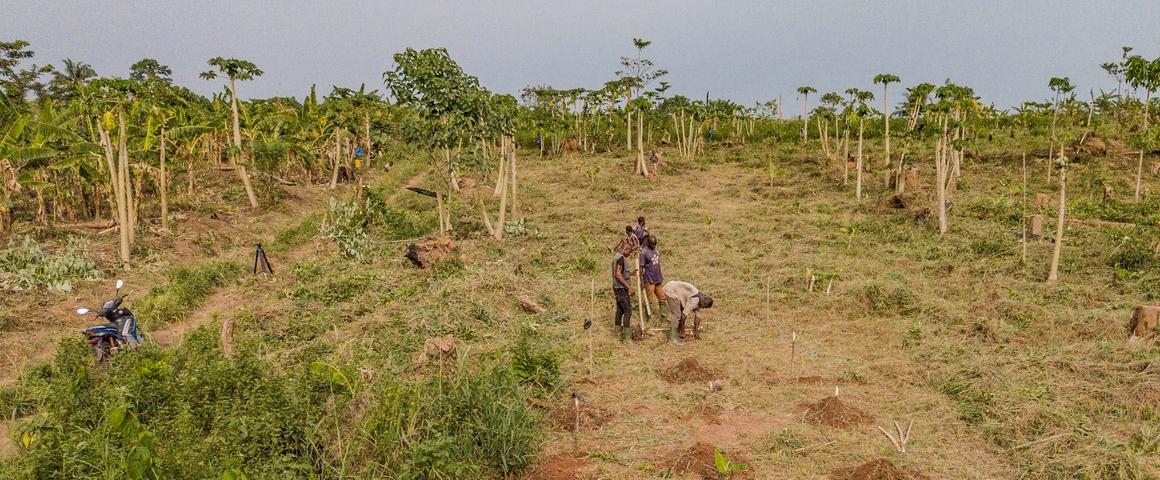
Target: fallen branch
x=97 y=224
x=811 y=447
x=1043 y=440
x=900 y=441
x=1093 y=222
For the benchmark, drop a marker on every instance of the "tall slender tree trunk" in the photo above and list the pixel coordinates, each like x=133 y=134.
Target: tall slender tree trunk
x=164 y=185
x=941 y=164
x=126 y=180
x=1053 y=274
x=515 y=200
x=846 y=156
x=805 y=118
x=334 y=164
x=627 y=128
x=503 y=196
x=642 y=165
x=367 y=138
x=886 y=122
x=858 y=184
x=1140 y=162
x=122 y=212
x=245 y=176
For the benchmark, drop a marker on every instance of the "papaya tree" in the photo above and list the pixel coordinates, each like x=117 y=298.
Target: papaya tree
x=1142 y=73
x=886 y=79
x=1060 y=86
x=234 y=70
x=805 y=92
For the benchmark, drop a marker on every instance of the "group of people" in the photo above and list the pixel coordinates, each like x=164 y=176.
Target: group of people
x=682 y=298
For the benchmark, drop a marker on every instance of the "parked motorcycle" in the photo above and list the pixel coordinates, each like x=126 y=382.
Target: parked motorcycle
x=120 y=331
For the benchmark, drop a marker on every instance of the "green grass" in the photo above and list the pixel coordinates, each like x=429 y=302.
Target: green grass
x=186 y=290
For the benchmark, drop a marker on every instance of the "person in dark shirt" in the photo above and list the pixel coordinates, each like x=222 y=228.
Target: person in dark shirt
x=623 y=293
x=641 y=230
x=651 y=277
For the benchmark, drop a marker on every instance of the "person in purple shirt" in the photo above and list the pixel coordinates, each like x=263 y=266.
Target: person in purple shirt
x=650 y=270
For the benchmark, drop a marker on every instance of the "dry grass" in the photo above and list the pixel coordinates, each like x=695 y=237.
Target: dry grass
x=1003 y=376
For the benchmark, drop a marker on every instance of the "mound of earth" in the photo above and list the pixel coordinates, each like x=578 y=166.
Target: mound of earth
x=592 y=417
x=698 y=460
x=430 y=251
x=560 y=468
x=880 y=469
x=690 y=371
x=832 y=412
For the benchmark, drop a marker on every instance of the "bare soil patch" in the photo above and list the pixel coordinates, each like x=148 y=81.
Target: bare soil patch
x=698 y=460
x=592 y=417
x=560 y=468
x=690 y=370
x=878 y=469
x=833 y=412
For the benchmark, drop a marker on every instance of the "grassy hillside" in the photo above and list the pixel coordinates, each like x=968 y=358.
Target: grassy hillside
x=1002 y=376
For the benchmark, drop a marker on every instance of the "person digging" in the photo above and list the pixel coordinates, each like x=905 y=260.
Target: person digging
x=623 y=293
x=683 y=300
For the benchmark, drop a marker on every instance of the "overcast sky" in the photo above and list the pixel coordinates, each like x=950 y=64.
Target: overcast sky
x=743 y=50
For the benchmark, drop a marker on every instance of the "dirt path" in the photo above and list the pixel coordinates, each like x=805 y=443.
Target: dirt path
x=44 y=319
x=7 y=448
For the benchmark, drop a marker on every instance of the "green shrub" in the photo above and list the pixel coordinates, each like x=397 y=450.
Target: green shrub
x=351 y=222
x=25 y=265
x=346 y=224
x=186 y=290
x=1133 y=254
x=535 y=364
x=475 y=424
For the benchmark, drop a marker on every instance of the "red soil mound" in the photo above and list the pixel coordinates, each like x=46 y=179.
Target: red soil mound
x=832 y=412
x=880 y=469
x=699 y=460
x=690 y=371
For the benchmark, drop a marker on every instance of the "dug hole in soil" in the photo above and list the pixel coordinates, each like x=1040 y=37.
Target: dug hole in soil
x=592 y=417
x=699 y=460
x=879 y=469
x=690 y=370
x=833 y=412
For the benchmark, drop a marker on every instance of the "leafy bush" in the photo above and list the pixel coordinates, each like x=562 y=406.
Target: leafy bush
x=186 y=290
x=350 y=222
x=534 y=364
x=1133 y=254
x=346 y=224
x=1140 y=213
x=25 y=265
x=472 y=425
x=189 y=413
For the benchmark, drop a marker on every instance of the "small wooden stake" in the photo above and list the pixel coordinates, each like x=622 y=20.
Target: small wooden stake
x=792 y=352
x=1023 y=222
x=588 y=326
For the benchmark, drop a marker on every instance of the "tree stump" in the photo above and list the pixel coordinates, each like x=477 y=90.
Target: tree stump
x=1145 y=322
x=1108 y=193
x=912 y=178
x=1041 y=200
x=1036 y=230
